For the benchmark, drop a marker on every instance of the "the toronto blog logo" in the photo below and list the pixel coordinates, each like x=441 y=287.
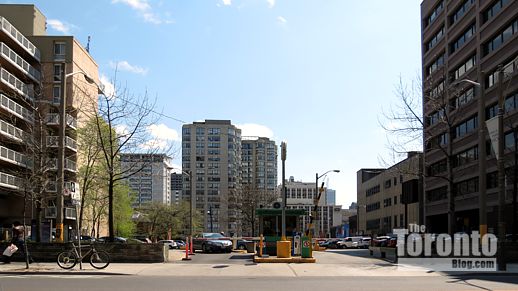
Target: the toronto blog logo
x=442 y=252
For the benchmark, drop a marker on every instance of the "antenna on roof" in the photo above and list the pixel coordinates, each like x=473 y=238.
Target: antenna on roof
x=88 y=45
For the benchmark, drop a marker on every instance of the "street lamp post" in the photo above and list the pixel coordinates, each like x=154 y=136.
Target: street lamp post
x=61 y=149
x=210 y=215
x=501 y=169
x=317 y=196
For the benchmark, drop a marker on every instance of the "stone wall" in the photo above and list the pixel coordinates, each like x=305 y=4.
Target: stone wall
x=119 y=253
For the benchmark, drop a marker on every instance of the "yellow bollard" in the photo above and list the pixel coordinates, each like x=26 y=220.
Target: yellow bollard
x=261 y=246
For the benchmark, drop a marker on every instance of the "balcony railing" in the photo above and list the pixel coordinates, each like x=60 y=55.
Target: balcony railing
x=70 y=213
x=51 y=212
x=10 y=181
x=22 y=40
x=16 y=109
x=53 y=141
x=18 y=86
x=14 y=157
x=11 y=131
x=53 y=119
x=70 y=143
x=70 y=165
x=18 y=61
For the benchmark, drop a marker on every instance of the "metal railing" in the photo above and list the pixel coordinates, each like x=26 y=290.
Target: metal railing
x=20 y=87
x=70 y=143
x=20 y=38
x=16 y=109
x=11 y=131
x=51 y=212
x=10 y=181
x=19 y=62
x=14 y=157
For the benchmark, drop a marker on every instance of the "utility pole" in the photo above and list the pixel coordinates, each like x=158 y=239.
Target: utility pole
x=61 y=157
x=501 y=169
x=482 y=200
x=283 y=159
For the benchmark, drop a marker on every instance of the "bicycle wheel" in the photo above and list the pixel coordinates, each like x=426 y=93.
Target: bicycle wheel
x=67 y=260
x=100 y=259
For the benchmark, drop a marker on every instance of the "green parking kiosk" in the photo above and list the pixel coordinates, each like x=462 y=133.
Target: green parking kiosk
x=270 y=226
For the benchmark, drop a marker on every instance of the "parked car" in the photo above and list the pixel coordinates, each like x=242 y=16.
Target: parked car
x=334 y=243
x=241 y=244
x=364 y=243
x=116 y=239
x=211 y=242
x=143 y=239
x=170 y=243
x=180 y=243
x=134 y=241
x=87 y=239
x=351 y=242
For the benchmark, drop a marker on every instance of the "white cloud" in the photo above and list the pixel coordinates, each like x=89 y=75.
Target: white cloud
x=252 y=129
x=227 y=2
x=161 y=137
x=281 y=19
x=145 y=11
x=177 y=169
x=60 y=26
x=107 y=86
x=125 y=66
x=121 y=129
x=161 y=131
x=271 y=3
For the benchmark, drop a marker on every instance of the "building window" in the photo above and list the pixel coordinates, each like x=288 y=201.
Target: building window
x=436 y=117
x=395 y=200
x=461 y=11
x=437 y=168
x=57 y=72
x=388 y=183
x=462 y=69
x=466 y=127
x=492 y=180
x=500 y=38
x=435 y=13
x=438 y=194
x=437 y=63
x=372 y=191
x=435 y=39
x=373 y=207
x=465 y=157
x=59 y=50
x=466 y=187
x=462 y=39
x=463 y=98
x=56 y=94
x=387 y=202
x=200 y=131
x=494 y=9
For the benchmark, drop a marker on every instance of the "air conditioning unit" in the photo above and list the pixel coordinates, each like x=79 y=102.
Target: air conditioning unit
x=277 y=205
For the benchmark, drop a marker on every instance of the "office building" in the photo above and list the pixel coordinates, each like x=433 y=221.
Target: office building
x=211 y=153
x=464 y=42
x=330 y=197
x=32 y=66
x=152 y=180
x=301 y=195
x=382 y=202
x=259 y=163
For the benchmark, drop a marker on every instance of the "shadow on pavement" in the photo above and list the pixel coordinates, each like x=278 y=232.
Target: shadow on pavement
x=498 y=278
x=242 y=257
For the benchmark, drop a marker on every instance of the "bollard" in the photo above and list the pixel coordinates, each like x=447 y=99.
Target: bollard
x=261 y=246
x=186 y=251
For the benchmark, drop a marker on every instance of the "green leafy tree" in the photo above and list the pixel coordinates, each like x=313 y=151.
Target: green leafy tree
x=123 y=212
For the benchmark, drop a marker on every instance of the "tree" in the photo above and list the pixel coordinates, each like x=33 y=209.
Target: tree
x=123 y=122
x=250 y=199
x=159 y=220
x=408 y=121
x=123 y=212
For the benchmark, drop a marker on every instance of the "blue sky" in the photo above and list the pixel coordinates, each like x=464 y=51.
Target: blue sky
x=314 y=73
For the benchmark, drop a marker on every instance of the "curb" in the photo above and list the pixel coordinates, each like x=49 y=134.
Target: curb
x=284 y=260
x=35 y=272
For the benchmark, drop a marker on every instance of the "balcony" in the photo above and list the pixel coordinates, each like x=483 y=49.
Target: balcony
x=10 y=181
x=16 y=109
x=53 y=119
x=19 y=38
x=19 y=62
x=18 y=86
x=70 y=213
x=53 y=142
x=13 y=157
x=51 y=212
x=70 y=165
x=11 y=131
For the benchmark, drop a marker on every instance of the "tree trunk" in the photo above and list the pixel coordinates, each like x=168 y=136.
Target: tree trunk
x=110 y=209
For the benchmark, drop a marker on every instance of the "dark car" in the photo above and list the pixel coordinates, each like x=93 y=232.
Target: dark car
x=333 y=244
x=87 y=239
x=212 y=242
x=116 y=239
x=180 y=243
x=241 y=244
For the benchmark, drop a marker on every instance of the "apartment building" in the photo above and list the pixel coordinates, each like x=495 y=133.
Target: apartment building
x=301 y=195
x=152 y=180
x=211 y=154
x=34 y=69
x=259 y=163
x=464 y=42
x=176 y=188
x=384 y=200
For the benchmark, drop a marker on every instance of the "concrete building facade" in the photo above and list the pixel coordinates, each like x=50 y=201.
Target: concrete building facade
x=464 y=42
x=153 y=181
x=32 y=67
x=176 y=188
x=211 y=153
x=380 y=202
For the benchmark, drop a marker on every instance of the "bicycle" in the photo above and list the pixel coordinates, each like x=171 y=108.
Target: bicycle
x=98 y=259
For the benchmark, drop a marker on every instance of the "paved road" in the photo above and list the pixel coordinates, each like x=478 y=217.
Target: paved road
x=220 y=258
x=155 y=283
